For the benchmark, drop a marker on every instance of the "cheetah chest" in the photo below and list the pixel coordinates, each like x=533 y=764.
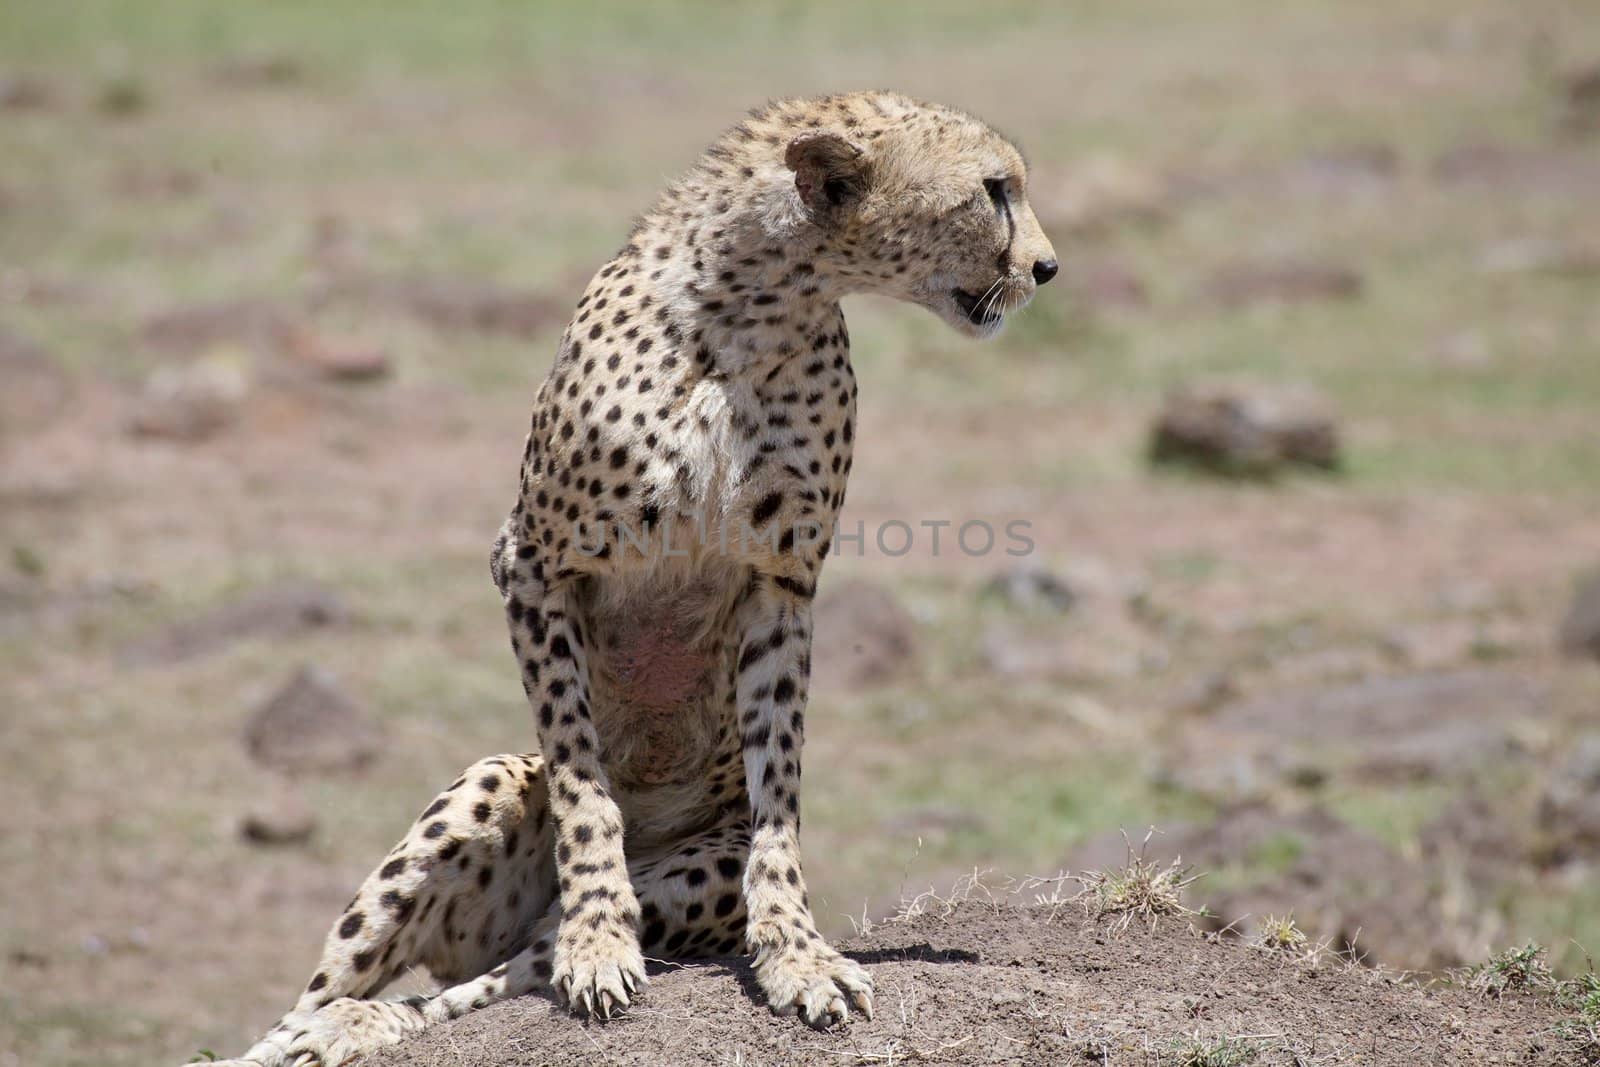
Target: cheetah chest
x=655 y=666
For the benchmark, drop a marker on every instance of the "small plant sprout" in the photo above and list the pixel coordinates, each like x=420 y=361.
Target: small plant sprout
x=1514 y=969
x=1581 y=1034
x=1195 y=1051
x=1281 y=934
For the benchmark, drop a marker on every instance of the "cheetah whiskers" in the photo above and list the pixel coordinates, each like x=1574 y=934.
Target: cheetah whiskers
x=990 y=294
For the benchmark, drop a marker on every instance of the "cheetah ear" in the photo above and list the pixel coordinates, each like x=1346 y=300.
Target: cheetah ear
x=829 y=171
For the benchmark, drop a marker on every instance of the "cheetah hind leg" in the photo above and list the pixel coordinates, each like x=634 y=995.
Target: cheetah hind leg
x=691 y=904
x=458 y=895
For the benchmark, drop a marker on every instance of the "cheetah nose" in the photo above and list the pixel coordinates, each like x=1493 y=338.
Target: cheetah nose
x=1044 y=270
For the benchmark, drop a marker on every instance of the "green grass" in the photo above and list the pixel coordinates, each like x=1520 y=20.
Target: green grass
x=1394 y=814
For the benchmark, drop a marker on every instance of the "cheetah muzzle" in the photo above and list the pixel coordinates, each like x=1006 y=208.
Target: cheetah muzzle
x=685 y=462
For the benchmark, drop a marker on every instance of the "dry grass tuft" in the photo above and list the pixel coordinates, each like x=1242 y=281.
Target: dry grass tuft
x=1140 y=889
x=1281 y=935
x=969 y=888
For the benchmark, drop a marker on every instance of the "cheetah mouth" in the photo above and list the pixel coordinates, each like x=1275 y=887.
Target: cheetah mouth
x=980 y=309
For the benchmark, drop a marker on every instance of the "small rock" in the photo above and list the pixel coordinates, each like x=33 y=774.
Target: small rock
x=253 y=71
x=1583 y=88
x=26 y=957
x=280 y=816
x=1250 y=431
x=339 y=361
x=191 y=403
x=1580 y=630
x=1031 y=589
x=1583 y=100
x=310 y=725
x=123 y=97
x=863 y=637
x=1281 y=281
x=22 y=92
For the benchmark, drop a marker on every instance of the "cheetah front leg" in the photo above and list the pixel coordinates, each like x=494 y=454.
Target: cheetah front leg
x=597 y=964
x=798 y=971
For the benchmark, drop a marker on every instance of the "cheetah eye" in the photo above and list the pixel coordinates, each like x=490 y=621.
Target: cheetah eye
x=996 y=188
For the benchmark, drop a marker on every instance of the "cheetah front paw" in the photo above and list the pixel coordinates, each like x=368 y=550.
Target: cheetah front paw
x=813 y=980
x=597 y=972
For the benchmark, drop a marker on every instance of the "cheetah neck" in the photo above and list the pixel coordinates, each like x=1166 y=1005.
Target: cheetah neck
x=745 y=301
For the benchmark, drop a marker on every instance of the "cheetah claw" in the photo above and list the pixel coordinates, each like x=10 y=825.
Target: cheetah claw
x=603 y=988
x=820 y=989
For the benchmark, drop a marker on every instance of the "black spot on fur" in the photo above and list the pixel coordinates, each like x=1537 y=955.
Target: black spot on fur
x=766 y=507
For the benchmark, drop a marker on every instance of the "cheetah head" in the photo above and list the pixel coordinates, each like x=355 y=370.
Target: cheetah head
x=931 y=209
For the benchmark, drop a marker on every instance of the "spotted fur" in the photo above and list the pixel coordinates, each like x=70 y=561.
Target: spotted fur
x=684 y=464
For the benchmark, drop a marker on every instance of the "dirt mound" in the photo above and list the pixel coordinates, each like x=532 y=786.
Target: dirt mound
x=864 y=637
x=981 y=984
x=310 y=725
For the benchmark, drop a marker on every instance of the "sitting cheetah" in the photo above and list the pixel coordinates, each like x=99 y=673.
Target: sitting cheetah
x=686 y=460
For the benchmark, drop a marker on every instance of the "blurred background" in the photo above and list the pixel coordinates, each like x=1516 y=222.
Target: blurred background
x=1308 y=436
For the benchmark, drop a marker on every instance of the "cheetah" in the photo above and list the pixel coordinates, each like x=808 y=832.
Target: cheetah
x=685 y=462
